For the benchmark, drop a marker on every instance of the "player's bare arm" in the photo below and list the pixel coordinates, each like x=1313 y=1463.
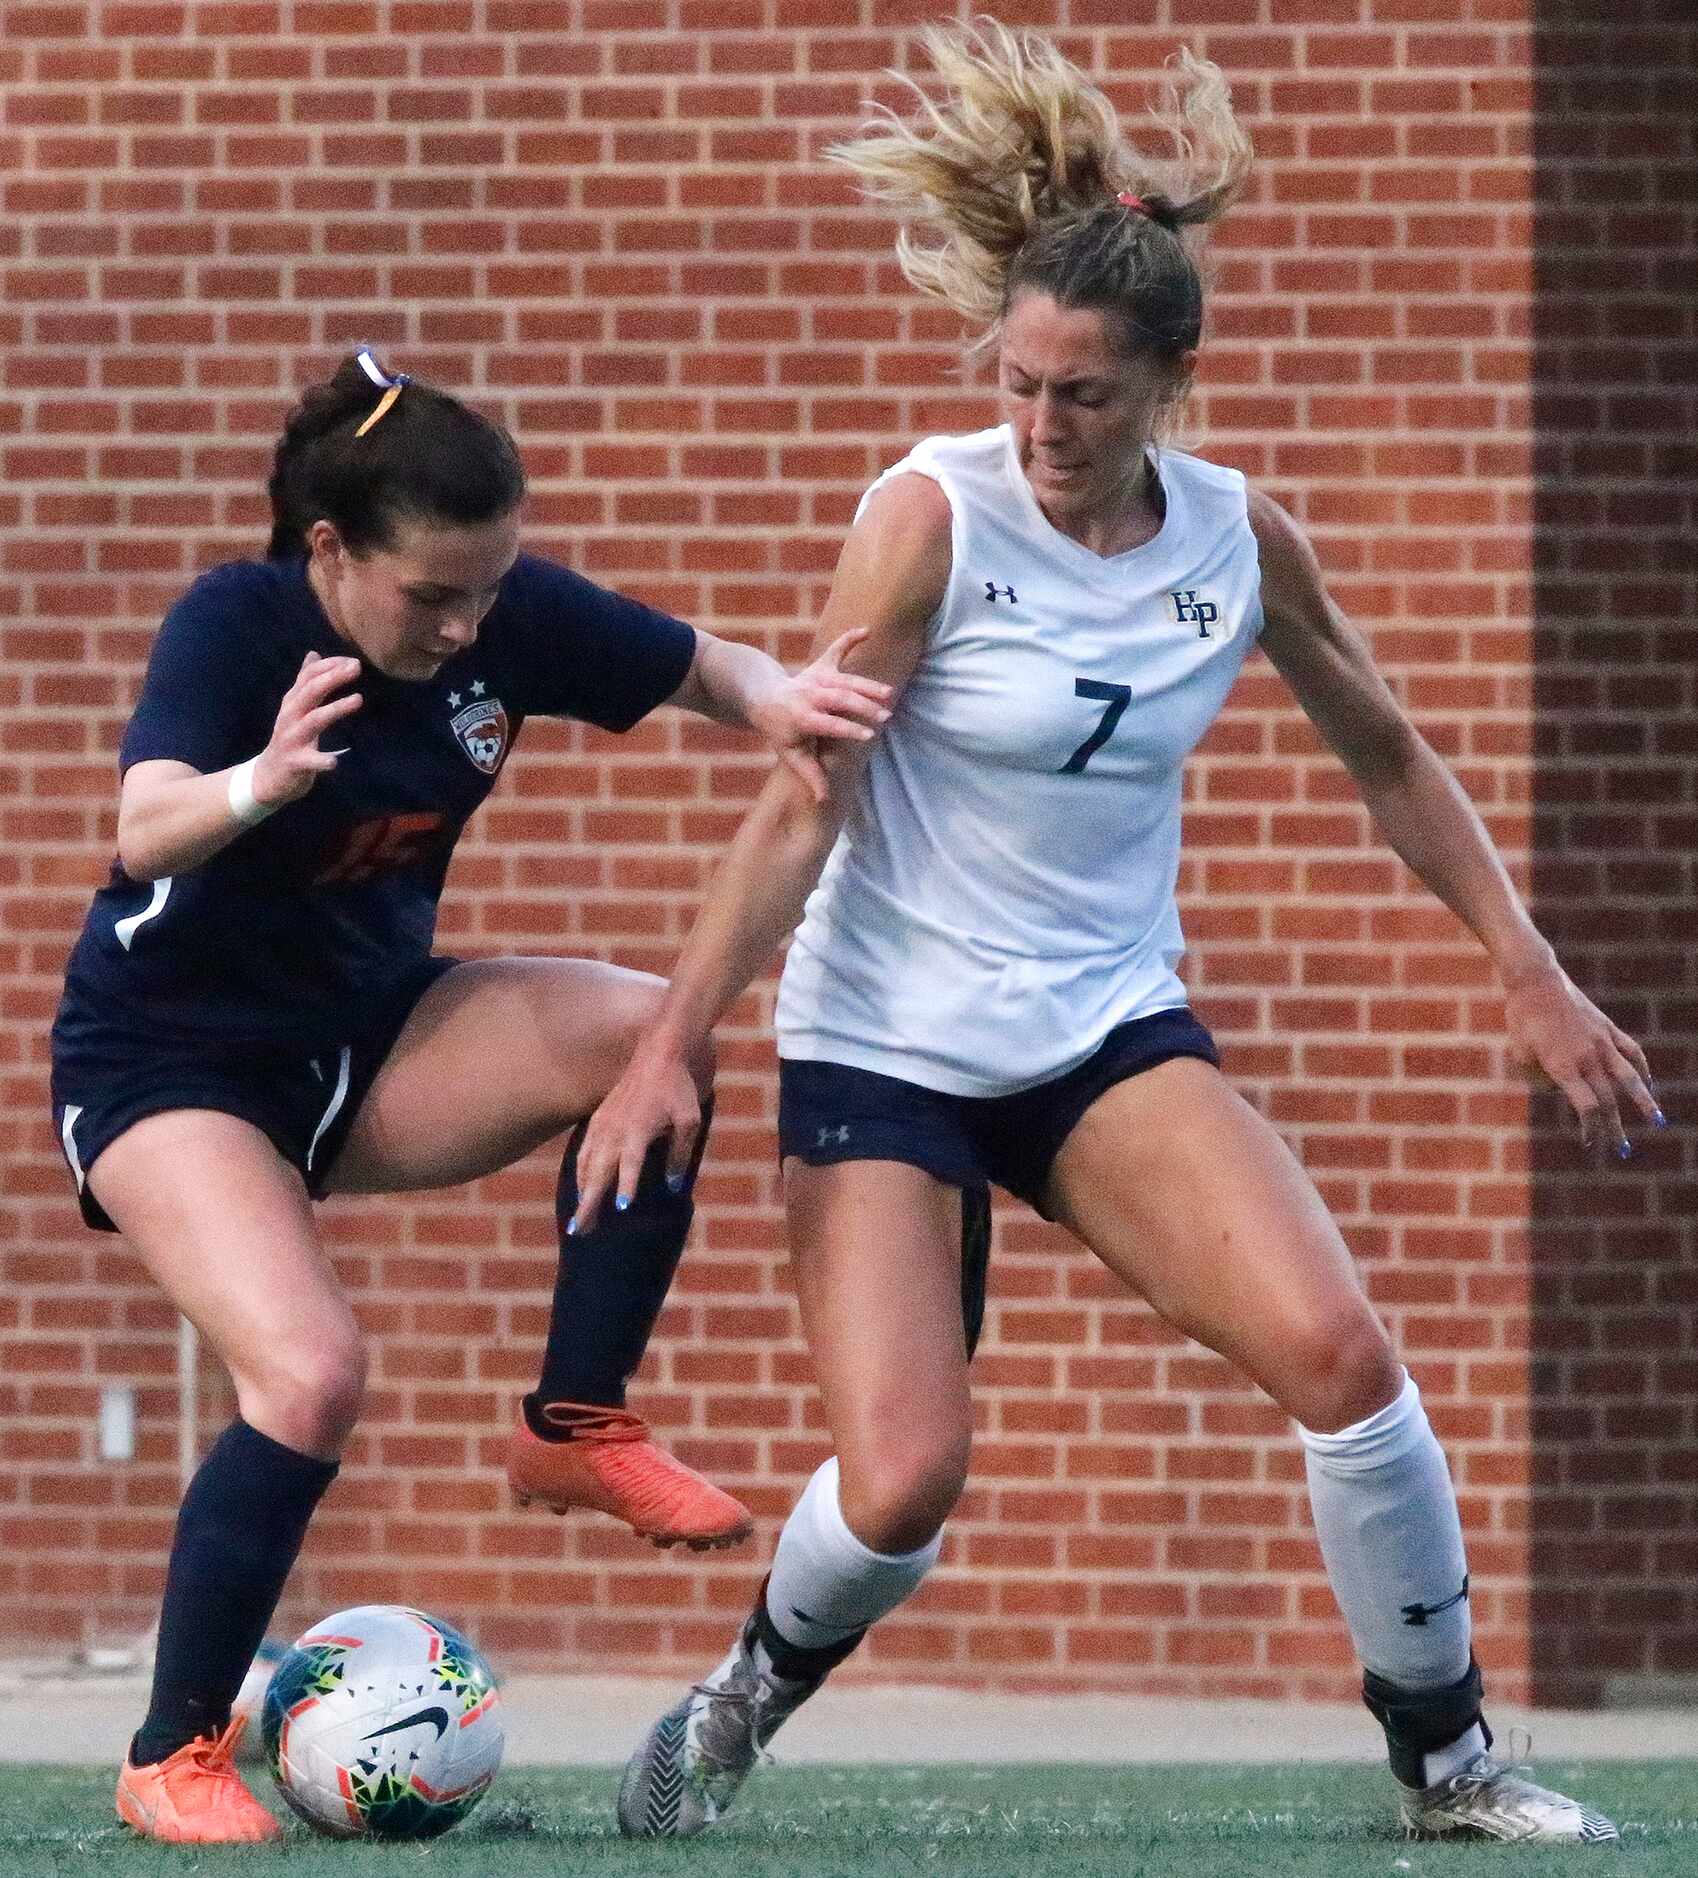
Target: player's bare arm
x=738 y=684
x=1425 y=814
x=889 y=583
x=171 y=817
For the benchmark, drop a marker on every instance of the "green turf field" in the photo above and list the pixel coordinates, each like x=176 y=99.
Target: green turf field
x=888 y=1822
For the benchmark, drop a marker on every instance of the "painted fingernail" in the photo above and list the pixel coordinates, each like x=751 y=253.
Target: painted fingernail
x=1624 y=1151
x=1659 y=1118
x=675 y=1183
x=620 y=1204
x=571 y=1229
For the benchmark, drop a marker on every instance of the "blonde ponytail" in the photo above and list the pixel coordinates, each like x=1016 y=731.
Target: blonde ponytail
x=1024 y=146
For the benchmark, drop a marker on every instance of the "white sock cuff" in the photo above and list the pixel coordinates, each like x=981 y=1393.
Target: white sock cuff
x=1386 y=1435
x=1440 y=1763
x=827 y=1507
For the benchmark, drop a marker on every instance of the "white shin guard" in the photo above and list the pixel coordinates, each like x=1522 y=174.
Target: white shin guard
x=1385 y=1514
x=825 y=1584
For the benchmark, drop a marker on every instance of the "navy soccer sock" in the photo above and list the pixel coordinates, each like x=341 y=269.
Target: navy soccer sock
x=612 y=1282
x=239 y=1530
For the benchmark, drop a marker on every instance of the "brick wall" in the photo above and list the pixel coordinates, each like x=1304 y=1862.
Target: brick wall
x=1614 y=1333
x=602 y=219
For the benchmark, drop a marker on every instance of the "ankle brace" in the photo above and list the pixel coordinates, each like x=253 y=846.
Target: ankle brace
x=1420 y=1721
x=791 y=1660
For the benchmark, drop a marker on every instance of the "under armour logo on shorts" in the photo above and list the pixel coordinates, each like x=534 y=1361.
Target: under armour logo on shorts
x=839 y=1135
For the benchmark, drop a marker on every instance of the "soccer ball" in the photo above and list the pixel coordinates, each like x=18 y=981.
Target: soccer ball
x=250 y=1699
x=382 y=1723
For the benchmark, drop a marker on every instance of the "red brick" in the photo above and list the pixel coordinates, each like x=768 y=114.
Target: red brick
x=1372 y=362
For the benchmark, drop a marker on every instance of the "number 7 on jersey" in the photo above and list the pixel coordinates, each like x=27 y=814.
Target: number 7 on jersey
x=1116 y=696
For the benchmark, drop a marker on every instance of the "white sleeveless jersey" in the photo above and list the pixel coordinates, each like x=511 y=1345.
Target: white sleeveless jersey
x=1002 y=894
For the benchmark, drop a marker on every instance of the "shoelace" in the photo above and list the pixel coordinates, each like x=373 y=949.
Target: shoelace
x=1518 y=1766
x=764 y=1757
x=582 y=1419
x=211 y=1757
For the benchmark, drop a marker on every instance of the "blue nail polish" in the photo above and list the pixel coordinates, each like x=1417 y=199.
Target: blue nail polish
x=623 y=1201
x=1661 y=1120
x=571 y=1228
x=1625 y=1151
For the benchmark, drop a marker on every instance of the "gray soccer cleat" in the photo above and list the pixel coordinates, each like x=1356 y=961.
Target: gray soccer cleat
x=1491 y=1801
x=688 y=1770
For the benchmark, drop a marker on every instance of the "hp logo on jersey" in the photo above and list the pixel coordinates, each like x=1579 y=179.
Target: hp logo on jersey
x=1188 y=610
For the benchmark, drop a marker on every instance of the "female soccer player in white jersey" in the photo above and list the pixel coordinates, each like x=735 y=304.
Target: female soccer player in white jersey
x=983 y=984
x=253 y=1015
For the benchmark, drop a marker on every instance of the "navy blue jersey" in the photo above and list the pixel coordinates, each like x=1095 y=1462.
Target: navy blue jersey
x=329 y=903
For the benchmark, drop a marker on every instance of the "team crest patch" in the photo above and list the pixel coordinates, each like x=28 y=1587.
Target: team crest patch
x=483 y=731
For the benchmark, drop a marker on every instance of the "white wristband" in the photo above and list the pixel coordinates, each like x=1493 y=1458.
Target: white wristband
x=240 y=795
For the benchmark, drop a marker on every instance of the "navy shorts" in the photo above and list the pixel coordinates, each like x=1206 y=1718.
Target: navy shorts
x=828 y=1112
x=304 y=1101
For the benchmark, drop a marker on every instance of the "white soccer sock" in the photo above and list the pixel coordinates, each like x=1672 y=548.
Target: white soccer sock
x=1385 y=1514
x=1441 y=1763
x=825 y=1584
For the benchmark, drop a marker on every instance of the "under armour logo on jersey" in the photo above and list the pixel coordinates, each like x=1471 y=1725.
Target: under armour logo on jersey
x=1189 y=610
x=1416 y=1615
x=993 y=591
x=827 y=1136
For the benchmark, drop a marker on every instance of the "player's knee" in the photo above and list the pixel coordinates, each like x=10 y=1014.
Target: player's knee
x=309 y=1397
x=899 y=1502
x=1343 y=1373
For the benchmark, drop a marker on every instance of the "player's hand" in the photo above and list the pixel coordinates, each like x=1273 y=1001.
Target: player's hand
x=821 y=700
x=292 y=762
x=655 y=1096
x=1558 y=1030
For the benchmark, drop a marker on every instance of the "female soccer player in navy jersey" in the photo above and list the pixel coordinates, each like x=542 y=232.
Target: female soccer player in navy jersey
x=983 y=982
x=253 y=1016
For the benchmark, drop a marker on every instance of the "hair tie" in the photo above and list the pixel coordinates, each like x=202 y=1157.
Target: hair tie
x=1135 y=203
x=392 y=387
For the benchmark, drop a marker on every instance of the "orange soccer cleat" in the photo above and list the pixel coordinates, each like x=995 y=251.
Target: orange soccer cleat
x=195 y=1796
x=610 y=1464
